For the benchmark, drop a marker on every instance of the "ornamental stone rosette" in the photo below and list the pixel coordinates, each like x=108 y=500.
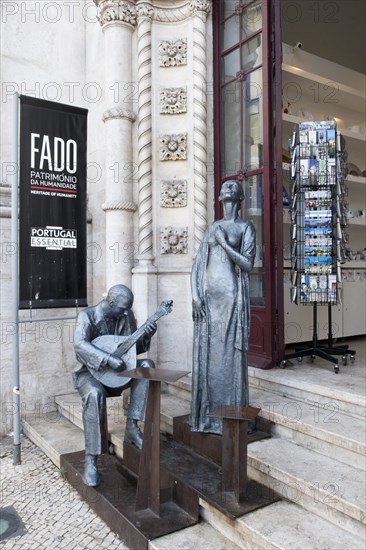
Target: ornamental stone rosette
x=173 y=101
x=173 y=147
x=174 y=240
x=172 y=53
x=173 y=193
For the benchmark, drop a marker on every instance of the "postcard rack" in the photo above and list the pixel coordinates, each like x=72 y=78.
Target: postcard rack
x=318 y=230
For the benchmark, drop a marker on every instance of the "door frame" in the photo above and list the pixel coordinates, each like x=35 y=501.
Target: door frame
x=267 y=322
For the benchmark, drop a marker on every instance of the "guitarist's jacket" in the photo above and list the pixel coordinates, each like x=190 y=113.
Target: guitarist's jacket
x=91 y=324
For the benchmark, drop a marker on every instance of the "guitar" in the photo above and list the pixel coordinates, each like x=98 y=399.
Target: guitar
x=124 y=347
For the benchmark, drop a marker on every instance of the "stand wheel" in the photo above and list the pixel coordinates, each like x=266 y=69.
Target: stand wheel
x=344 y=359
x=283 y=364
x=299 y=358
x=352 y=357
x=336 y=369
x=312 y=358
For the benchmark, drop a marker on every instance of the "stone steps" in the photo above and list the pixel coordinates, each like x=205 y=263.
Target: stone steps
x=305 y=383
x=343 y=392
x=262 y=529
x=315 y=461
x=57 y=435
x=320 y=428
x=172 y=406
x=201 y=536
x=309 y=479
x=299 y=428
x=308 y=422
x=182 y=388
x=70 y=407
x=54 y=436
x=313 y=425
x=329 y=447
x=324 y=429
x=330 y=489
x=281 y=526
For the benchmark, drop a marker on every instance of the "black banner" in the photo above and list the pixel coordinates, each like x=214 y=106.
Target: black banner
x=52 y=215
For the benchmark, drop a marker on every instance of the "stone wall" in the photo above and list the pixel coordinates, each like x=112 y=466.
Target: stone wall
x=45 y=55
x=144 y=71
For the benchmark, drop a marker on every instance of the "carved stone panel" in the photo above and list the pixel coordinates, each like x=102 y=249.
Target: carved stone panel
x=173 y=193
x=174 y=240
x=200 y=6
x=116 y=11
x=173 y=147
x=173 y=53
x=173 y=101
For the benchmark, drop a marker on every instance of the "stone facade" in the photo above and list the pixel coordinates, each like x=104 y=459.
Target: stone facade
x=141 y=68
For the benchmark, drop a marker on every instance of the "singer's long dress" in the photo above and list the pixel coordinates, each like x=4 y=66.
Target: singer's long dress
x=220 y=370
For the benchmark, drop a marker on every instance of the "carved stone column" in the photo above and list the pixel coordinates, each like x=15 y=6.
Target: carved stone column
x=118 y=20
x=200 y=9
x=144 y=283
x=145 y=12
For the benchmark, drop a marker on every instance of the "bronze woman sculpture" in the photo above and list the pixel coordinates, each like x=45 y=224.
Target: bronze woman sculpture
x=221 y=313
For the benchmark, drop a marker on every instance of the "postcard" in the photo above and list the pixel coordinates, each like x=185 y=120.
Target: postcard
x=303 y=136
x=313 y=168
x=304 y=170
x=322 y=172
x=332 y=171
x=331 y=138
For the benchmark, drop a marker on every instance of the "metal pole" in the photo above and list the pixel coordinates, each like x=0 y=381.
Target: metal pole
x=15 y=282
x=315 y=326
x=330 y=328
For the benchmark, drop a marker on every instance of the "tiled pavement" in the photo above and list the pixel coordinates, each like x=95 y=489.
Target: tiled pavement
x=53 y=513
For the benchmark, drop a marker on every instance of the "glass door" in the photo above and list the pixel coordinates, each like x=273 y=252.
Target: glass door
x=247 y=131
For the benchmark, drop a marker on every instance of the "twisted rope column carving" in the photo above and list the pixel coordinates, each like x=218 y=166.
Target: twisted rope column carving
x=145 y=14
x=119 y=205
x=200 y=10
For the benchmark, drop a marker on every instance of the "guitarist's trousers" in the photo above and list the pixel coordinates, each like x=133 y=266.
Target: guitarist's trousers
x=94 y=395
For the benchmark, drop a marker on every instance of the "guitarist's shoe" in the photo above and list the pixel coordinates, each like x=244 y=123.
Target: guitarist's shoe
x=91 y=475
x=133 y=433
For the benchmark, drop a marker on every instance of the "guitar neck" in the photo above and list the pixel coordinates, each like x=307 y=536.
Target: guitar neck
x=135 y=337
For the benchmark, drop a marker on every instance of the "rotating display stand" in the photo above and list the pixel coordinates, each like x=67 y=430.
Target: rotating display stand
x=318 y=234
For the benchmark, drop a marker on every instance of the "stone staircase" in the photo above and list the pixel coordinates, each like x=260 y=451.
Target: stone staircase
x=315 y=459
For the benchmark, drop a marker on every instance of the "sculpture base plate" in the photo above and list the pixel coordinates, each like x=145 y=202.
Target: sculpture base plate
x=114 y=501
x=189 y=470
x=182 y=467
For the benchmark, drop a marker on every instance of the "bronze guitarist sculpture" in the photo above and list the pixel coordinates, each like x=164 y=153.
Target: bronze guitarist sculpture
x=106 y=342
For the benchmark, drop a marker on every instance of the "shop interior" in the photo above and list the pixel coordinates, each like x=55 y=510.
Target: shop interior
x=323 y=77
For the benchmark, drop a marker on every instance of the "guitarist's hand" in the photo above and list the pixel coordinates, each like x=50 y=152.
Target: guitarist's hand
x=150 y=329
x=116 y=363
